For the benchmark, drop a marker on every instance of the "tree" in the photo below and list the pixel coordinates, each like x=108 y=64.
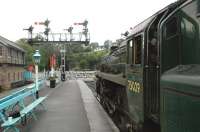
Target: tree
x=29 y=51
x=107 y=44
x=94 y=45
x=87 y=49
x=45 y=50
x=83 y=64
x=38 y=37
x=77 y=56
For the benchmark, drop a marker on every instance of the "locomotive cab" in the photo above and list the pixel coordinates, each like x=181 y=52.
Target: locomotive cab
x=180 y=102
x=170 y=38
x=156 y=88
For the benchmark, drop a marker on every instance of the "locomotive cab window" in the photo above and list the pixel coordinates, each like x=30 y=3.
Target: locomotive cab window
x=137 y=50
x=171 y=28
x=171 y=54
x=130 y=52
x=122 y=54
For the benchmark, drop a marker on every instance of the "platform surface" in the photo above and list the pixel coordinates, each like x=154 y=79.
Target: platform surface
x=71 y=107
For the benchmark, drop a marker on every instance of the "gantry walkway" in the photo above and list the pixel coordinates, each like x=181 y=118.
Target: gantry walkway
x=71 y=107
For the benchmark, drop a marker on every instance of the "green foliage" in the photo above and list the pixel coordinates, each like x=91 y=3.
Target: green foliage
x=28 y=49
x=94 y=45
x=86 y=60
x=107 y=44
x=87 y=49
x=45 y=51
x=83 y=64
x=77 y=57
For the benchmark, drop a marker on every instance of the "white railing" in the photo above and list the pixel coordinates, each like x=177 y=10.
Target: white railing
x=83 y=75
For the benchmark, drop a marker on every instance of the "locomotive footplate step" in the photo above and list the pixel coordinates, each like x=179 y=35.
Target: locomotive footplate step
x=73 y=108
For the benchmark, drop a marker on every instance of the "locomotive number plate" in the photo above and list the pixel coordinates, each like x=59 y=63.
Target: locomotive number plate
x=134 y=86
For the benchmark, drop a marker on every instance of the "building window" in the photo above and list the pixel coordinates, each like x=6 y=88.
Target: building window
x=22 y=75
x=23 y=62
x=14 y=76
x=1 y=51
x=9 y=77
x=18 y=75
x=9 y=52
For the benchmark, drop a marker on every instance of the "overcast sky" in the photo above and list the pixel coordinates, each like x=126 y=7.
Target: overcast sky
x=107 y=18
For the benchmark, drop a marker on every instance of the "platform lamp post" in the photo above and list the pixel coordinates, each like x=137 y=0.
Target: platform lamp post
x=62 y=63
x=36 y=58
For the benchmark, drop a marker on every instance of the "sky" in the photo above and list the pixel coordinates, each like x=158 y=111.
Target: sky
x=107 y=18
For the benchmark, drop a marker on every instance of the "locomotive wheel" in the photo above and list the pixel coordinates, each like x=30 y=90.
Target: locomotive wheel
x=98 y=87
x=132 y=129
x=101 y=93
x=120 y=121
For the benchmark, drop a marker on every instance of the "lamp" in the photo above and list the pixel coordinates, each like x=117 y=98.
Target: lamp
x=36 y=58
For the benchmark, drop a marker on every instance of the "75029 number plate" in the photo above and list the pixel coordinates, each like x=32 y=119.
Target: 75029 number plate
x=134 y=86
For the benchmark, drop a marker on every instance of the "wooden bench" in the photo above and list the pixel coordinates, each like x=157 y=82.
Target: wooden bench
x=18 y=98
x=15 y=84
x=11 y=124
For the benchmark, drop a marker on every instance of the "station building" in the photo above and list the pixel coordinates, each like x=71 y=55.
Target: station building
x=12 y=62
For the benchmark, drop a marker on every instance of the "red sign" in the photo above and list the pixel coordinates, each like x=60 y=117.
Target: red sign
x=30 y=68
x=39 y=23
x=53 y=60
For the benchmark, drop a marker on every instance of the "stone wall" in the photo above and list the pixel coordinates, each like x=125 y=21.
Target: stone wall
x=9 y=74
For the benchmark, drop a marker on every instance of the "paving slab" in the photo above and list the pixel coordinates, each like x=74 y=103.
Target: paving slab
x=71 y=107
x=65 y=111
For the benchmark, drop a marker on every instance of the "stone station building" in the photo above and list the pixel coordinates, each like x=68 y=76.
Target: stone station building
x=11 y=63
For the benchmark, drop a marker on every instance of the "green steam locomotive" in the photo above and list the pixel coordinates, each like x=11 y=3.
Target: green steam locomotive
x=151 y=81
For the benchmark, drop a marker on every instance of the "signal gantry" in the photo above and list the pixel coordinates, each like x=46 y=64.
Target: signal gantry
x=66 y=38
x=47 y=36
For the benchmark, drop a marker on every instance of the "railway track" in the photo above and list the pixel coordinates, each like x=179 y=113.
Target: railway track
x=92 y=86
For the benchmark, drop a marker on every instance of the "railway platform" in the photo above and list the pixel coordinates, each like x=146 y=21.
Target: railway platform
x=71 y=107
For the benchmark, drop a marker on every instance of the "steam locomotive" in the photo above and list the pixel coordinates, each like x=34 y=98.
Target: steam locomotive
x=150 y=82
